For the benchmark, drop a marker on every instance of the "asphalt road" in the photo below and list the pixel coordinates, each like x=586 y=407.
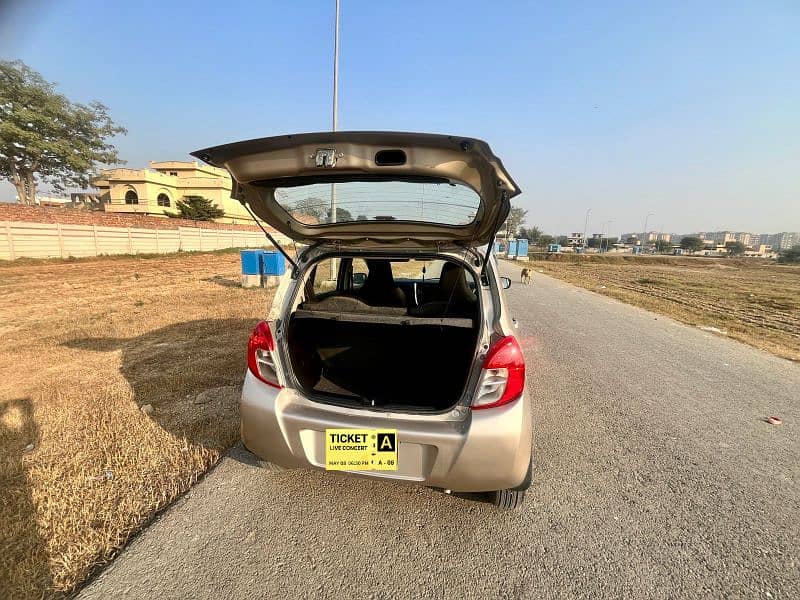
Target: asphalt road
x=656 y=477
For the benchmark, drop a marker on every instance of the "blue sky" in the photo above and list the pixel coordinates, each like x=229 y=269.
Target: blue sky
x=687 y=109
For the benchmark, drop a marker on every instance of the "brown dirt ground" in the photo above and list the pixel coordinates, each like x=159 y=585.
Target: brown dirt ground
x=753 y=301
x=84 y=345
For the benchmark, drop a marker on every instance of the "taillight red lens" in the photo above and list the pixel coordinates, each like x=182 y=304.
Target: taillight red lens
x=260 y=347
x=504 y=361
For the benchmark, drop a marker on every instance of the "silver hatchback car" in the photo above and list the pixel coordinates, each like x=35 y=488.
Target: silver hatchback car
x=389 y=350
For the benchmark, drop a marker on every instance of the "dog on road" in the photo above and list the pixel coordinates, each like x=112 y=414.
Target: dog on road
x=525 y=277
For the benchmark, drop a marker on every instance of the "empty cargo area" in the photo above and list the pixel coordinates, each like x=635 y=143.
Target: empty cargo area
x=382 y=364
x=386 y=333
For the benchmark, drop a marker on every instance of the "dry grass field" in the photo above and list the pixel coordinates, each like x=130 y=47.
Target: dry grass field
x=749 y=300
x=84 y=346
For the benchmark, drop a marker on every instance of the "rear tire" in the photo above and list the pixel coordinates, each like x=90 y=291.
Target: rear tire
x=513 y=498
x=509 y=499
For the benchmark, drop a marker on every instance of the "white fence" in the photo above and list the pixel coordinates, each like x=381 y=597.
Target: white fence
x=55 y=240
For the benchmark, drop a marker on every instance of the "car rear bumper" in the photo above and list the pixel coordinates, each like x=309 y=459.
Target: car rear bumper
x=464 y=451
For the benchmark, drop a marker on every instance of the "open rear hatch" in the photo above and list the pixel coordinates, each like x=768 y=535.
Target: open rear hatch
x=371 y=187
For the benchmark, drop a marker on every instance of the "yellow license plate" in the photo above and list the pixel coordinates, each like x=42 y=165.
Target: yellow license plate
x=361 y=449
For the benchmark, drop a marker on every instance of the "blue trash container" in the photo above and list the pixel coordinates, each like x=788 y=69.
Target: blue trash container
x=251 y=262
x=272 y=263
x=512 y=248
x=522 y=247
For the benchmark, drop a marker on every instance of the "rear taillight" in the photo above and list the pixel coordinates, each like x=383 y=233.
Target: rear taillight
x=260 y=361
x=503 y=376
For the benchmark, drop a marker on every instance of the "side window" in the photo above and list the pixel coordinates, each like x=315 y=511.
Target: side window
x=324 y=277
x=359 y=272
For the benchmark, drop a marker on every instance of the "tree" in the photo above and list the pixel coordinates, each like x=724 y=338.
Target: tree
x=792 y=255
x=531 y=234
x=516 y=218
x=692 y=243
x=342 y=215
x=545 y=239
x=593 y=242
x=663 y=246
x=313 y=207
x=197 y=208
x=735 y=248
x=563 y=240
x=45 y=137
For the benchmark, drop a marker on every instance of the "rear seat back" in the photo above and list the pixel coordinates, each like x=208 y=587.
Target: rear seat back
x=380 y=289
x=454 y=298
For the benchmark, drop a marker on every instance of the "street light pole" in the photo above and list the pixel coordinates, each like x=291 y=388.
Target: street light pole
x=600 y=243
x=647 y=218
x=585 y=225
x=335 y=99
x=609 y=222
x=335 y=123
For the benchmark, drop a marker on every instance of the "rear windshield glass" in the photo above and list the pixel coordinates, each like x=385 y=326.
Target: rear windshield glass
x=444 y=203
x=326 y=272
x=406 y=270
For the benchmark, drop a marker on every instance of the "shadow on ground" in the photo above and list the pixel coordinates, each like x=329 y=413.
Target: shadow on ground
x=189 y=373
x=24 y=561
x=224 y=281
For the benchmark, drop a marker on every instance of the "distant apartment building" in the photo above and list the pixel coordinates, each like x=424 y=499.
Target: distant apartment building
x=720 y=238
x=751 y=240
x=649 y=236
x=783 y=240
x=156 y=190
x=759 y=243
